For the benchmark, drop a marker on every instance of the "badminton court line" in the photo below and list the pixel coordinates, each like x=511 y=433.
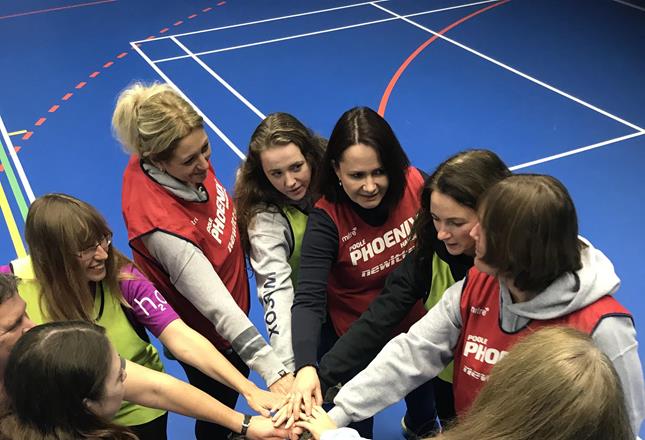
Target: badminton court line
x=320 y=32
x=267 y=20
x=221 y=80
x=208 y=121
x=577 y=150
x=513 y=70
x=622 y=2
x=16 y=161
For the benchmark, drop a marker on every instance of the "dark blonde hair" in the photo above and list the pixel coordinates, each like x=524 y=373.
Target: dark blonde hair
x=531 y=230
x=253 y=191
x=52 y=369
x=464 y=177
x=150 y=120
x=58 y=226
x=554 y=384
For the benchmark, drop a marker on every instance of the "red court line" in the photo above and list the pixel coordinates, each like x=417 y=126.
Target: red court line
x=60 y=8
x=388 y=90
x=27 y=135
x=94 y=74
x=40 y=122
x=67 y=96
x=108 y=64
x=190 y=17
x=177 y=23
x=53 y=108
x=221 y=3
x=80 y=85
x=121 y=55
x=164 y=30
x=206 y=9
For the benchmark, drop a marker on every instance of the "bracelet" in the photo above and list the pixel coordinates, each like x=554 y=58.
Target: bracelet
x=245 y=424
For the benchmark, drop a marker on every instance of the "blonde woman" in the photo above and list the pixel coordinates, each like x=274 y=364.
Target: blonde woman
x=74 y=272
x=273 y=197
x=554 y=384
x=183 y=230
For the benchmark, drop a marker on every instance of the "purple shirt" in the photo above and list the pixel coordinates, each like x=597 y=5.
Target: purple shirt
x=148 y=304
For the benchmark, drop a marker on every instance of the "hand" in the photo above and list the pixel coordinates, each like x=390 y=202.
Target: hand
x=264 y=402
x=261 y=428
x=306 y=392
x=318 y=423
x=282 y=385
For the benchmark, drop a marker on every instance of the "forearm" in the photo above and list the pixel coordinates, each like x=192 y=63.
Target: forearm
x=158 y=390
x=367 y=336
x=194 y=277
x=426 y=348
x=192 y=348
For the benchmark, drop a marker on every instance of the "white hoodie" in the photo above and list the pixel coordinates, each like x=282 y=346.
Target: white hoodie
x=412 y=358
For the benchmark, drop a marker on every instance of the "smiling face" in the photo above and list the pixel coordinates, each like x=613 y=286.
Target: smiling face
x=189 y=162
x=93 y=258
x=362 y=175
x=287 y=170
x=453 y=223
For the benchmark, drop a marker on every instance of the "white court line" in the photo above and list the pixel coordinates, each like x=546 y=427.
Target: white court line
x=576 y=151
x=221 y=80
x=515 y=71
x=622 y=2
x=210 y=123
x=324 y=31
x=267 y=20
x=16 y=162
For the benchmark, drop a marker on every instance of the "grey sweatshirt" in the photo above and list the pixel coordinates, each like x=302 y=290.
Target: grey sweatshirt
x=194 y=277
x=428 y=346
x=272 y=243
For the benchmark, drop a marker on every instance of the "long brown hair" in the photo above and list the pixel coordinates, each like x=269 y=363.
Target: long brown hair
x=554 y=384
x=253 y=191
x=58 y=226
x=50 y=373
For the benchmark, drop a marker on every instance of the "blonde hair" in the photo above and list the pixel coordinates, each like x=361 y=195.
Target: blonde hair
x=58 y=226
x=149 y=120
x=554 y=384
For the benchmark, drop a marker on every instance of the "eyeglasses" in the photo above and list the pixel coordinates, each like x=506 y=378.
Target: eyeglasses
x=88 y=253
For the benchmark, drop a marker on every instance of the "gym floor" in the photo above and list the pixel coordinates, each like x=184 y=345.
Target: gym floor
x=553 y=86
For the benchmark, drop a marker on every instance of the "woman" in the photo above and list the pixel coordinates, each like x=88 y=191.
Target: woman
x=531 y=270
x=74 y=272
x=357 y=234
x=182 y=227
x=571 y=392
x=443 y=254
x=65 y=381
x=273 y=199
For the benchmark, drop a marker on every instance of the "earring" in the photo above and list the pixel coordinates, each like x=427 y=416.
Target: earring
x=340 y=183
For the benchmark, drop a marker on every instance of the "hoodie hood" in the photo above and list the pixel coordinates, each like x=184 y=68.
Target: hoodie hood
x=566 y=294
x=174 y=186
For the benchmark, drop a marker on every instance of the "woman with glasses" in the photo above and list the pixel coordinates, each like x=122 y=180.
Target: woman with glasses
x=73 y=273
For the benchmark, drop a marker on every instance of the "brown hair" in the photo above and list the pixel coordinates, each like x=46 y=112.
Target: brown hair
x=151 y=120
x=554 y=384
x=253 y=191
x=52 y=369
x=464 y=177
x=57 y=227
x=8 y=286
x=531 y=230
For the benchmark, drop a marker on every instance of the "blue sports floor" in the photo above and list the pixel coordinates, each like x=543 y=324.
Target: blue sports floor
x=553 y=86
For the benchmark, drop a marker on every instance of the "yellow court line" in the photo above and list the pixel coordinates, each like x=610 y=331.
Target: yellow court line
x=16 y=133
x=11 y=224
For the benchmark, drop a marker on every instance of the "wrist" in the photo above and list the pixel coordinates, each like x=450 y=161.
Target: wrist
x=247 y=389
x=245 y=424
